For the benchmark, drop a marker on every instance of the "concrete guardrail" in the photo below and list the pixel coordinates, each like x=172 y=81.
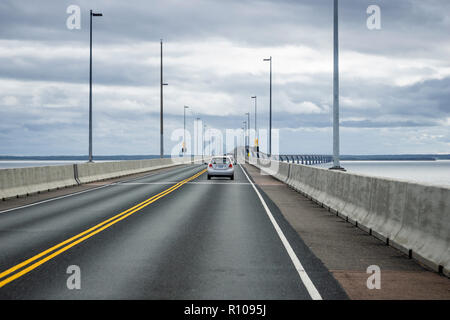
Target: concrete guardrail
x=412 y=217
x=25 y=181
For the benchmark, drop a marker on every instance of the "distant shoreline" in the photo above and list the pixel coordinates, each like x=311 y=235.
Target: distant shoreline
x=425 y=157
x=402 y=157
x=392 y=159
x=79 y=158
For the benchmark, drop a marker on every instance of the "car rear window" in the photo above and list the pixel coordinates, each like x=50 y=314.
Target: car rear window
x=221 y=160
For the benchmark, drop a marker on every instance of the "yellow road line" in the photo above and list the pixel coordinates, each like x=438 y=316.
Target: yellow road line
x=87 y=234
x=5 y=273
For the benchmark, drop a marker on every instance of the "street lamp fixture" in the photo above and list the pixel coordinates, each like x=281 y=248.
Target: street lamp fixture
x=256 y=127
x=203 y=147
x=248 y=133
x=161 y=107
x=90 y=83
x=336 y=161
x=184 y=126
x=245 y=133
x=270 y=108
x=196 y=136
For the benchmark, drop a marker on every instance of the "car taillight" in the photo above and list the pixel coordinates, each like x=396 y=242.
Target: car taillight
x=210 y=165
x=230 y=166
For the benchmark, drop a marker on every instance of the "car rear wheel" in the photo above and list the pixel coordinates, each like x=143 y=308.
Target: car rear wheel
x=232 y=177
x=209 y=177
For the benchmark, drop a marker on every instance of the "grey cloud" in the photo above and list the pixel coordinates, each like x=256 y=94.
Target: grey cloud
x=250 y=22
x=387 y=124
x=409 y=29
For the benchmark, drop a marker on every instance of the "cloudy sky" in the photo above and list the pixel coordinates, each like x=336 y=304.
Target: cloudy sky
x=395 y=82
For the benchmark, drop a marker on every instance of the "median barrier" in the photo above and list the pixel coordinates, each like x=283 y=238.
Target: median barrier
x=90 y=172
x=23 y=181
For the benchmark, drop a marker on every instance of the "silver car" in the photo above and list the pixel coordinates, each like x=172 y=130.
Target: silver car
x=221 y=166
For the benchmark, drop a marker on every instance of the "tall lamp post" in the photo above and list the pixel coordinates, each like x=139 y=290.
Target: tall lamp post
x=203 y=148
x=162 y=109
x=256 y=127
x=245 y=133
x=196 y=136
x=92 y=14
x=336 y=162
x=248 y=133
x=184 y=126
x=270 y=108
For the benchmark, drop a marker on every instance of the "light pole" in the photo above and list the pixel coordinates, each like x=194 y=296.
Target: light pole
x=336 y=163
x=210 y=145
x=90 y=82
x=248 y=133
x=245 y=131
x=203 y=148
x=196 y=136
x=184 y=126
x=270 y=108
x=256 y=127
x=162 y=109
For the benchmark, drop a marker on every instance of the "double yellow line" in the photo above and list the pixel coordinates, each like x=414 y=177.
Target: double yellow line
x=69 y=243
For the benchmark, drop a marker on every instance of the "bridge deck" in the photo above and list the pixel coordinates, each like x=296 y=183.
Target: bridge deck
x=204 y=240
x=201 y=240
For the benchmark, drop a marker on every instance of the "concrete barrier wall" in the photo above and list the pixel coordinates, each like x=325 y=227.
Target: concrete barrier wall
x=412 y=217
x=279 y=170
x=89 y=172
x=23 y=181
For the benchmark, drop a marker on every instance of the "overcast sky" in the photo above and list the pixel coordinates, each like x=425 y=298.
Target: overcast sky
x=395 y=82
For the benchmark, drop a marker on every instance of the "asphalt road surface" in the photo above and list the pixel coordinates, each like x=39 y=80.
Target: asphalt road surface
x=168 y=235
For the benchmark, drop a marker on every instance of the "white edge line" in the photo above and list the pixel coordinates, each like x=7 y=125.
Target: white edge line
x=312 y=290
x=80 y=192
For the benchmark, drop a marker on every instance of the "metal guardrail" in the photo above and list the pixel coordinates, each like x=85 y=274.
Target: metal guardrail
x=306 y=159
